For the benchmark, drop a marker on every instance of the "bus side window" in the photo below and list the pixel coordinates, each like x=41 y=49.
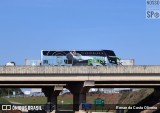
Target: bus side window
x=45 y=61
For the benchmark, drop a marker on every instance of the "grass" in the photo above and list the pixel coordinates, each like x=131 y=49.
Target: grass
x=38 y=100
x=43 y=100
x=29 y=100
x=4 y=101
x=125 y=98
x=66 y=100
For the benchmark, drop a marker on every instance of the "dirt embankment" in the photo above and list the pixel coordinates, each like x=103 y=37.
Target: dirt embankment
x=124 y=98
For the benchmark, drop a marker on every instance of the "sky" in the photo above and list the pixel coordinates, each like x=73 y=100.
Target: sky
x=29 y=26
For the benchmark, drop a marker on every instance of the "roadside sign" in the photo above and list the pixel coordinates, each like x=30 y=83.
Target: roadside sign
x=99 y=102
x=86 y=106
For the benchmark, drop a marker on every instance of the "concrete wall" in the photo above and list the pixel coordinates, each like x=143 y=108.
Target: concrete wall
x=82 y=73
x=79 y=70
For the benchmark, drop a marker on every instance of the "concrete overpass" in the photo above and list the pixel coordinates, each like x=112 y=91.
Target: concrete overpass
x=79 y=79
x=108 y=76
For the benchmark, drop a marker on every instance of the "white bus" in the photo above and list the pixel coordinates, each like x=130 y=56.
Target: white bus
x=78 y=58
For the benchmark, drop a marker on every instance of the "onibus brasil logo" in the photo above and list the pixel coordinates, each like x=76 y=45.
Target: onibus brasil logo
x=21 y=107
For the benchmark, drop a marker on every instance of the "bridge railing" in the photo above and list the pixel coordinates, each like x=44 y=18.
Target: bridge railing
x=78 y=69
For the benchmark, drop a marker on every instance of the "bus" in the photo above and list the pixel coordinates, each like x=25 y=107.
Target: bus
x=78 y=58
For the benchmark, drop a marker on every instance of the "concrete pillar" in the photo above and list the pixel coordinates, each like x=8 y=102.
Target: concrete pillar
x=51 y=93
x=79 y=90
x=157 y=92
x=75 y=101
x=82 y=97
x=52 y=98
x=78 y=99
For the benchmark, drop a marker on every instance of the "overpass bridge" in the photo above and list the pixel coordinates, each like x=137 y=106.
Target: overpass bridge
x=78 y=79
x=108 y=76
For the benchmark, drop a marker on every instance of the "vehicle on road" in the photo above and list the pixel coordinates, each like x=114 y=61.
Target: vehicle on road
x=10 y=64
x=79 y=58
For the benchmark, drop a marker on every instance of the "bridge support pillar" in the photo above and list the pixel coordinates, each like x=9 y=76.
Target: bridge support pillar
x=51 y=93
x=79 y=90
x=157 y=92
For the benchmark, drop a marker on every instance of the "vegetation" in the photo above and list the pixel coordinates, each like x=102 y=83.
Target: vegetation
x=5 y=91
x=4 y=101
x=131 y=98
x=28 y=100
x=123 y=98
x=135 y=97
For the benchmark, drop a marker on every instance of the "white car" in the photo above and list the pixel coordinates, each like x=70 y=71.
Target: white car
x=10 y=64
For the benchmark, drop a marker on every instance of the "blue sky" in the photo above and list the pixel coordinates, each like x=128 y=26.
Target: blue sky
x=29 y=26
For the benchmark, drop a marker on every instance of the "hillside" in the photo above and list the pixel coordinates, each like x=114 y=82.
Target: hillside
x=135 y=96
